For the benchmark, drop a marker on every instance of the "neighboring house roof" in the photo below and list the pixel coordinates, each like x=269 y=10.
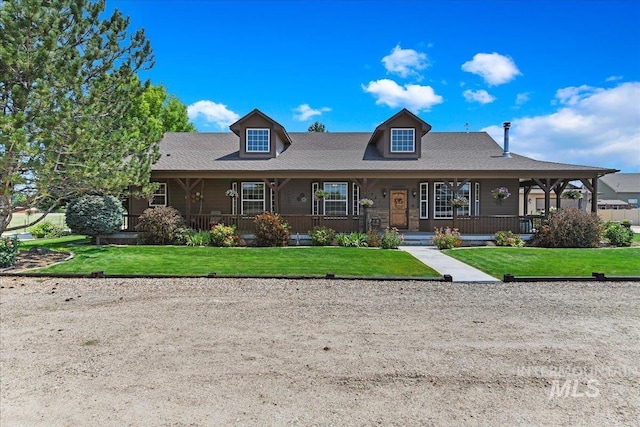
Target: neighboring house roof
x=623 y=182
x=443 y=153
x=613 y=202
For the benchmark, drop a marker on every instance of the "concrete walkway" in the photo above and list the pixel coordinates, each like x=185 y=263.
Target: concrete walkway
x=444 y=264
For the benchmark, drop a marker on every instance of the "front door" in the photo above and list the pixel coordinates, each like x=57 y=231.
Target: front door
x=399 y=209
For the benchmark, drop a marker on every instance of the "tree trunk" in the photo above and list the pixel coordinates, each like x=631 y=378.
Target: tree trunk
x=6 y=212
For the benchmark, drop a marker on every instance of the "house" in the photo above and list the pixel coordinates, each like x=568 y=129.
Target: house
x=619 y=191
x=409 y=172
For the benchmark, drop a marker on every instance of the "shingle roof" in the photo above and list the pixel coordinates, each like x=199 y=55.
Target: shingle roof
x=348 y=151
x=623 y=182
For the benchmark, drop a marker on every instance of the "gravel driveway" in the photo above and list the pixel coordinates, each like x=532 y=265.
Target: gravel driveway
x=114 y=352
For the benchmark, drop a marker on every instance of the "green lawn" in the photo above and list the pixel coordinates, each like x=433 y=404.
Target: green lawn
x=551 y=262
x=184 y=260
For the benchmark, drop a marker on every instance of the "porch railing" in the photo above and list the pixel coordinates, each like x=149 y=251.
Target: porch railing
x=245 y=224
x=492 y=224
x=348 y=223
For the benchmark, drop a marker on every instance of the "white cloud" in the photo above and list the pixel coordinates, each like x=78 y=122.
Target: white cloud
x=306 y=112
x=405 y=62
x=522 y=98
x=413 y=97
x=613 y=78
x=481 y=96
x=212 y=112
x=592 y=126
x=494 y=68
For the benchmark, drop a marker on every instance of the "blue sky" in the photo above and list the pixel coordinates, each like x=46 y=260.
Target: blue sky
x=565 y=73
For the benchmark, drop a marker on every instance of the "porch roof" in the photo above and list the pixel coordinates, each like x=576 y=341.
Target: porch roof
x=318 y=153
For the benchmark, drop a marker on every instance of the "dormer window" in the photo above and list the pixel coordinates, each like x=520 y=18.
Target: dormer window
x=258 y=140
x=403 y=140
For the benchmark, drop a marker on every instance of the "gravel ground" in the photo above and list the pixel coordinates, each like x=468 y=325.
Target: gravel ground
x=115 y=352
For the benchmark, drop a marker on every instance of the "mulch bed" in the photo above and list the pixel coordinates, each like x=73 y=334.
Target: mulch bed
x=36 y=258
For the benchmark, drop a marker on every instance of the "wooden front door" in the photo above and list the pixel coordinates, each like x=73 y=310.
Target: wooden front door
x=399 y=209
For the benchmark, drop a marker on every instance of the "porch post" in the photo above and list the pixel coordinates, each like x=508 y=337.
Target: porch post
x=558 y=189
x=592 y=186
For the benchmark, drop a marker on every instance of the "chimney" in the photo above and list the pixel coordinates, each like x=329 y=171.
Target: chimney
x=506 y=153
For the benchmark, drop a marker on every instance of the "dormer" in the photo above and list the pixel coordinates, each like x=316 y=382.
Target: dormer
x=400 y=137
x=261 y=137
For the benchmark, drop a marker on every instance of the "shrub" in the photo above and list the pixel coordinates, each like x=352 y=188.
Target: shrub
x=507 y=238
x=391 y=238
x=94 y=215
x=46 y=230
x=569 y=228
x=447 y=238
x=356 y=240
x=224 y=235
x=271 y=230
x=198 y=238
x=8 y=251
x=618 y=234
x=322 y=236
x=373 y=239
x=161 y=226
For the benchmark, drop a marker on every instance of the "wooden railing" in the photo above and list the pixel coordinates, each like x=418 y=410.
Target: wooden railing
x=245 y=224
x=492 y=224
x=348 y=223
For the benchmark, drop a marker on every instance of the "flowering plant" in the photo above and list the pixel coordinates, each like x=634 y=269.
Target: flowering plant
x=231 y=193
x=500 y=193
x=459 y=201
x=8 y=251
x=367 y=203
x=572 y=194
x=321 y=194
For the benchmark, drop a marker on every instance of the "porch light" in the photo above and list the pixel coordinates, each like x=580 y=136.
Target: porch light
x=384 y=192
x=414 y=193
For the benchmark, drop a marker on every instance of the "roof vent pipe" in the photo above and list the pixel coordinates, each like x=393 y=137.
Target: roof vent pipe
x=506 y=152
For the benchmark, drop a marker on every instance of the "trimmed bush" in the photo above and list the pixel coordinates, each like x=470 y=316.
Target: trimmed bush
x=271 y=230
x=162 y=226
x=94 y=215
x=570 y=228
x=46 y=230
x=507 y=238
x=224 y=236
x=447 y=238
x=355 y=240
x=8 y=251
x=391 y=238
x=322 y=236
x=618 y=234
x=373 y=239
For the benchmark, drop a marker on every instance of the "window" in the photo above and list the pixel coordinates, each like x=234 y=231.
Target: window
x=258 y=141
x=356 y=198
x=159 y=197
x=336 y=201
x=442 y=196
x=252 y=198
x=403 y=141
x=424 y=200
x=476 y=200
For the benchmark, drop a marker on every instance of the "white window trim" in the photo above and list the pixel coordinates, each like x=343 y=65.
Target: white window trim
x=315 y=203
x=356 y=198
x=242 y=199
x=246 y=142
x=346 y=200
x=160 y=192
x=435 y=185
x=413 y=147
x=234 y=200
x=476 y=199
x=424 y=214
